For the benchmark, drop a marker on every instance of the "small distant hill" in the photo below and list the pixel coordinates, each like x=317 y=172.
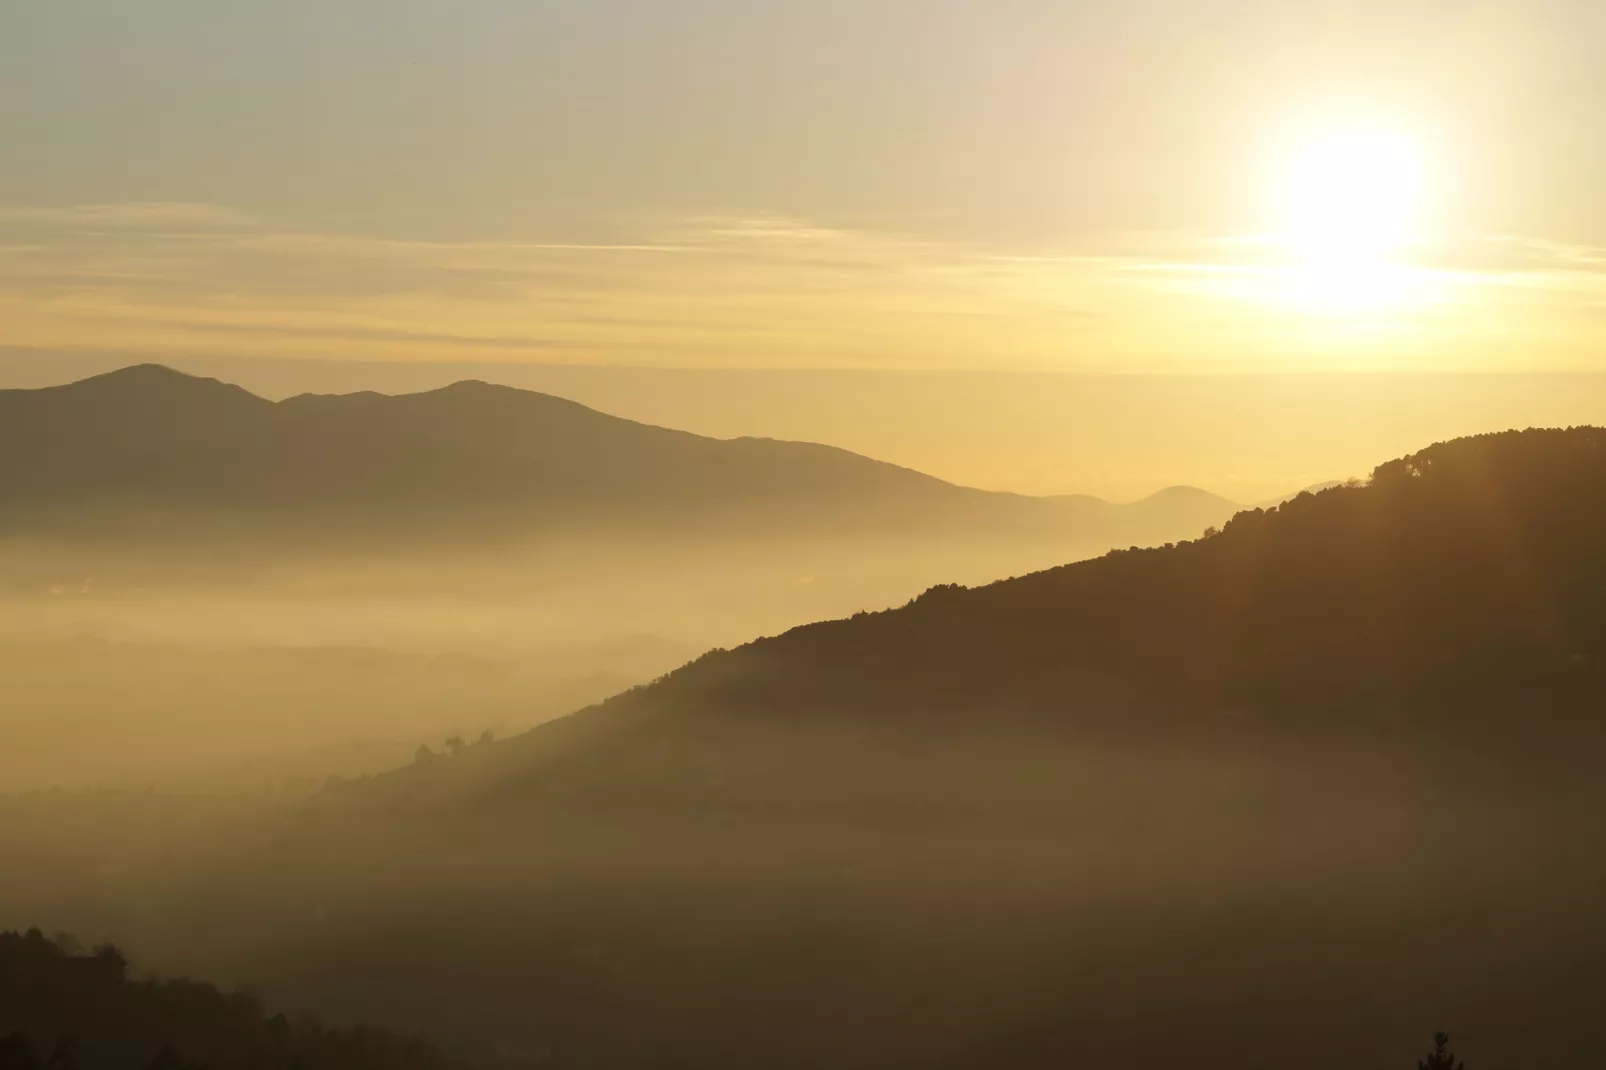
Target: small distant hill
x=1314 y=488
x=150 y=441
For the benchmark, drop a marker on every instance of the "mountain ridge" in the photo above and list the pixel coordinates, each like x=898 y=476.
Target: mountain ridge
x=152 y=437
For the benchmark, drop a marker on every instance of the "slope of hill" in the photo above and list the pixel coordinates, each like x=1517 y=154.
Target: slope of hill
x=1474 y=564
x=1462 y=579
x=1049 y=822
x=149 y=438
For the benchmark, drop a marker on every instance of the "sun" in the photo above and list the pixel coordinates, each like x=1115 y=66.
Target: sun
x=1351 y=196
x=1351 y=201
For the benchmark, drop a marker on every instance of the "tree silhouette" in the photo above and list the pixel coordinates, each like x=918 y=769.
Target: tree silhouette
x=1440 y=1058
x=16 y=1053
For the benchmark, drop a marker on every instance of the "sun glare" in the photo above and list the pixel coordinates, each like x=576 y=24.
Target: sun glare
x=1350 y=202
x=1352 y=196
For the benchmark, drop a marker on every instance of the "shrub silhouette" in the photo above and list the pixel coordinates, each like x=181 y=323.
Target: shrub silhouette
x=1440 y=1058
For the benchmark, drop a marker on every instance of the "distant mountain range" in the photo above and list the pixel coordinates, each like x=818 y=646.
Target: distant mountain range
x=153 y=441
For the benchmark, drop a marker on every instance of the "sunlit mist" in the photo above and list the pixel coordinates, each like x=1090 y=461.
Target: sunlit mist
x=797 y=534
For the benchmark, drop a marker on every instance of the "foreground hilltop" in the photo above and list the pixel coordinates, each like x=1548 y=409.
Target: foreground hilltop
x=1472 y=567
x=1460 y=580
x=476 y=456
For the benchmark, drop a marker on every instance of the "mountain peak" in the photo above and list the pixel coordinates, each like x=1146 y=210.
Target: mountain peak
x=1184 y=493
x=479 y=388
x=144 y=383
x=479 y=396
x=144 y=373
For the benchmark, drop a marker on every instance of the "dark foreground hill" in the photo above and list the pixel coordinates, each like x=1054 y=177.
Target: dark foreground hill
x=1462 y=588
x=64 y=1009
x=473 y=456
x=1473 y=569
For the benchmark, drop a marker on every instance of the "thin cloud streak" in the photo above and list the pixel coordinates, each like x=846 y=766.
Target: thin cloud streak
x=774 y=291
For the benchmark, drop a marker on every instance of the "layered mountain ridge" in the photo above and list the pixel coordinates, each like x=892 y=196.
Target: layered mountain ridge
x=149 y=438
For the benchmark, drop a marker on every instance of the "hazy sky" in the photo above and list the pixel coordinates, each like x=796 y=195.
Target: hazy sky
x=916 y=185
x=882 y=183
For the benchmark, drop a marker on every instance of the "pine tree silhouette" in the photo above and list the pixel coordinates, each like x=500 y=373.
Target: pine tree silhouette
x=1441 y=1058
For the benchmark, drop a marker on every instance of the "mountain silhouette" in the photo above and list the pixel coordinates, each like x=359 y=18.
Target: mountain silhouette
x=150 y=438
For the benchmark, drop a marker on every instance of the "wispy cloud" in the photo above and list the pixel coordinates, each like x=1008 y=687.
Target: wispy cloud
x=139 y=215
x=770 y=291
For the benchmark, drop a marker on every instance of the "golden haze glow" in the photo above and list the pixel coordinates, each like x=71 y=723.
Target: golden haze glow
x=972 y=186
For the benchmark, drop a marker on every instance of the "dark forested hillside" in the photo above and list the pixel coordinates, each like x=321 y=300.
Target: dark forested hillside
x=1461 y=591
x=65 y=1009
x=1471 y=569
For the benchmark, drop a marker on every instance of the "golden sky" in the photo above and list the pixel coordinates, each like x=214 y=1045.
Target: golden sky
x=1145 y=186
x=1008 y=184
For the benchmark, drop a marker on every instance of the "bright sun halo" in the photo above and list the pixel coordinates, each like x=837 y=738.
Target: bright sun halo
x=1351 y=196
